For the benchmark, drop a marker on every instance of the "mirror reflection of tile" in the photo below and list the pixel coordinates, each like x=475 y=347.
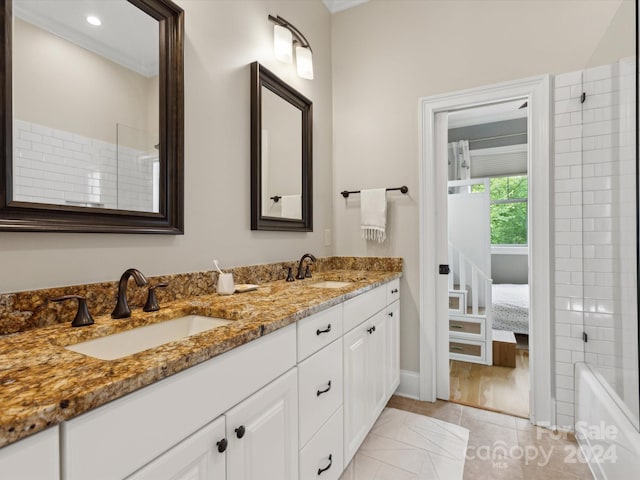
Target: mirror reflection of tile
x=63 y=168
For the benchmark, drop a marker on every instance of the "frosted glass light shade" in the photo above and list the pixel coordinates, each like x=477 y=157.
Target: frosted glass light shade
x=282 y=44
x=304 y=62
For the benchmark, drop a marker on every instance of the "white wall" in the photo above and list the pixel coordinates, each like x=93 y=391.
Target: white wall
x=222 y=38
x=510 y=268
x=84 y=93
x=386 y=55
x=469 y=234
x=618 y=41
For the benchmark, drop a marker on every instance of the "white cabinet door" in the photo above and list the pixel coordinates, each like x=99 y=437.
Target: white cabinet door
x=198 y=457
x=34 y=458
x=263 y=433
x=393 y=348
x=365 y=375
x=356 y=390
x=377 y=364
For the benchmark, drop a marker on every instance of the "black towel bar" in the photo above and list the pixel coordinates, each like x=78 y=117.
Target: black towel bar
x=403 y=189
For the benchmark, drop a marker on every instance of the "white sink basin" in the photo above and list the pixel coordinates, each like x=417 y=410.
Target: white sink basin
x=330 y=284
x=133 y=341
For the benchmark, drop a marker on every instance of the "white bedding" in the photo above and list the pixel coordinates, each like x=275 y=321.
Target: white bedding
x=510 y=307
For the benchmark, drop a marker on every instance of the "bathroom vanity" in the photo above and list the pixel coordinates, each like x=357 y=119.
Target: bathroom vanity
x=290 y=390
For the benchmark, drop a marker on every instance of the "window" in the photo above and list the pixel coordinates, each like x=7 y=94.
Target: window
x=508 y=209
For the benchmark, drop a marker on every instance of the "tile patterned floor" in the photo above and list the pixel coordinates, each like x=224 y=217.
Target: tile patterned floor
x=500 y=446
x=408 y=446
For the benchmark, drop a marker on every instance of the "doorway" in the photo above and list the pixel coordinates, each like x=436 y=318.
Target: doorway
x=488 y=256
x=434 y=249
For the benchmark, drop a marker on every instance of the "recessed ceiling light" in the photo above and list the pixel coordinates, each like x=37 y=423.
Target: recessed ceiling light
x=93 y=20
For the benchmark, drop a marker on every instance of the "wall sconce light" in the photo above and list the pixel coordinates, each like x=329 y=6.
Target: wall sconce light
x=284 y=36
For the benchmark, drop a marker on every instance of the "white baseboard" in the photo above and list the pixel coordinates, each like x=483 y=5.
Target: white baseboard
x=409 y=384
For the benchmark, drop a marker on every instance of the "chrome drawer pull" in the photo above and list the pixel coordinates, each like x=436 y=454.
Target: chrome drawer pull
x=453 y=347
x=326 y=330
x=320 y=392
x=320 y=470
x=456 y=326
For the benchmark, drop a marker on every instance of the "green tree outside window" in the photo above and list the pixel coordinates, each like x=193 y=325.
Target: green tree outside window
x=508 y=209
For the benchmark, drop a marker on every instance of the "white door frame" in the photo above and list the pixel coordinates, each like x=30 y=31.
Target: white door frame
x=433 y=338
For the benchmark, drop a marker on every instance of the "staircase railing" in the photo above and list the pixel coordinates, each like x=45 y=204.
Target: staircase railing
x=464 y=269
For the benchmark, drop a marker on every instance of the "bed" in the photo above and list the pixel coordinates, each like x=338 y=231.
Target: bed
x=510 y=307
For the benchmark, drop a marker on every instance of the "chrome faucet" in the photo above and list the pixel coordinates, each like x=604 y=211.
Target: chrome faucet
x=122 y=309
x=307 y=273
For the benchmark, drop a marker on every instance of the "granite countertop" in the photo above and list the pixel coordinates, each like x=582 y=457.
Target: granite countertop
x=43 y=384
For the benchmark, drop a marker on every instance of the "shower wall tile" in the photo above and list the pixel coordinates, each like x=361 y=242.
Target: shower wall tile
x=595 y=281
x=565 y=419
x=563 y=120
x=565 y=395
x=568 y=240
x=570 y=79
x=612 y=212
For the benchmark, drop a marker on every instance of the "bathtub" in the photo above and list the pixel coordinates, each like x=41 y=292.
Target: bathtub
x=609 y=441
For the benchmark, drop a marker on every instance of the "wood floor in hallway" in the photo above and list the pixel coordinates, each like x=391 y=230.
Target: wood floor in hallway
x=501 y=389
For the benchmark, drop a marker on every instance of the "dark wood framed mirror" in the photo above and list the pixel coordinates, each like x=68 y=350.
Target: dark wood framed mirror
x=281 y=155
x=93 y=141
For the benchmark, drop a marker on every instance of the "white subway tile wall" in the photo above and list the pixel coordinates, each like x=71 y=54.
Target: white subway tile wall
x=58 y=167
x=610 y=303
x=568 y=236
x=595 y=215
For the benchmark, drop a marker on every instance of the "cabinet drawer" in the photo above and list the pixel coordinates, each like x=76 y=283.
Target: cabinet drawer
x=466 y=327
x=318 y=398
x=393 y=290
x=364 y=306
x=321 y=458
x=318 y=330
x=472 y=349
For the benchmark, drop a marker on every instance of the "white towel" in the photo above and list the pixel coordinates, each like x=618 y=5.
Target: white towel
x=373 y=214
x=291 y=206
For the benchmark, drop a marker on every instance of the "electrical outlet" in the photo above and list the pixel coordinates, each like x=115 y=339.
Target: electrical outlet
x=327 y=237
